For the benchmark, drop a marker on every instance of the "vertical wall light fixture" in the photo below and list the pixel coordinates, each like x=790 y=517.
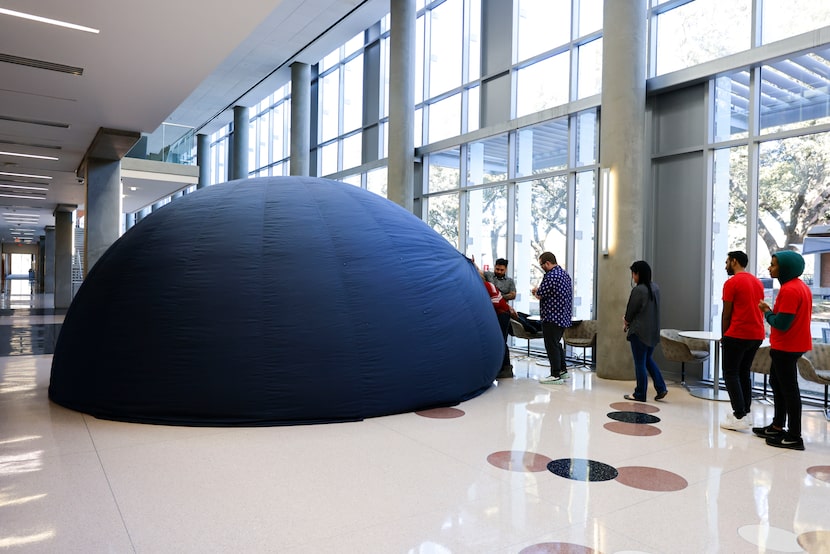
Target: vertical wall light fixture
x=604 y=208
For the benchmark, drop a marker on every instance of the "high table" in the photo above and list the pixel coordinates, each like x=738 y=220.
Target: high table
x=704 y=392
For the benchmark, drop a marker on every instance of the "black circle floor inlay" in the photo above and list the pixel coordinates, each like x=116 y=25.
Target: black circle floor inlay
x=633 y=417
x=582 y=470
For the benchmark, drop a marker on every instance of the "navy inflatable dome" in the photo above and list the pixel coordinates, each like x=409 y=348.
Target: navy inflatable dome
x=276 y=301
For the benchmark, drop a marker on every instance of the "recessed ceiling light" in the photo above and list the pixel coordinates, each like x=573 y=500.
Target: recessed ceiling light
x=57 y=22
x=24 y=175
x=23 y=187
x=19 y=155
x=12 y=195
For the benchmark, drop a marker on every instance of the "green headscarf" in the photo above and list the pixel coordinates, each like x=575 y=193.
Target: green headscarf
x=790 y=265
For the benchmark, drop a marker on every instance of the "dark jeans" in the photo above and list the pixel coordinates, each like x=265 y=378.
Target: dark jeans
x=553 y=346
x=504 y=323
x=783 y=378
x=643 y=367
x=737 y=356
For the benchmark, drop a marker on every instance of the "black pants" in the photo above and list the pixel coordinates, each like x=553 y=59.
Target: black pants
x=504 y=324
x=737 y=361
x=553 y=345
x=783 y=378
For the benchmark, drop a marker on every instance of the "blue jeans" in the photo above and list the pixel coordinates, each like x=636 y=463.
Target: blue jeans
x=643 y=367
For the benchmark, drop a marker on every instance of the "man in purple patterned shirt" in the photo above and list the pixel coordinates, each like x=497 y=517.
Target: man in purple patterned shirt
x=555 y=294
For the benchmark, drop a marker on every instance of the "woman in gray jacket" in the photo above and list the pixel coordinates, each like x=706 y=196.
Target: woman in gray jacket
x=642 y=324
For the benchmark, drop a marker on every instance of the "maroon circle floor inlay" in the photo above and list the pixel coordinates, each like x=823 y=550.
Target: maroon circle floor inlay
x=822 y=473
x=650 y=479
x=633 y=429
x=441 y=413
x=641 y=407
x=519 y=460
x=557 y=548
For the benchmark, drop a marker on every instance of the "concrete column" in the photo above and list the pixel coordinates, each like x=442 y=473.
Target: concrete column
x=300 y=119
x=63 y=259
x=103 y=208
x=203 y=159
x=49 y=260
x=241 y=124
x=400 y=186
x=623 y=152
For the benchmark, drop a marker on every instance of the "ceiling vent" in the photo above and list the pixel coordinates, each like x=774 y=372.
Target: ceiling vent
x=34 y=121
x=32 y=144
x=40 y=64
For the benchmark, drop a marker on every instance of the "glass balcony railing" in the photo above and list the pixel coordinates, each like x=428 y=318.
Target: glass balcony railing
x=170 y=143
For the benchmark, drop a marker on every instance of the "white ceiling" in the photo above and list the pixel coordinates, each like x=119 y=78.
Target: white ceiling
x=185 y=62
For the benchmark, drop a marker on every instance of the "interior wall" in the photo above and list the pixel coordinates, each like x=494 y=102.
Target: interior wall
x=680 y=234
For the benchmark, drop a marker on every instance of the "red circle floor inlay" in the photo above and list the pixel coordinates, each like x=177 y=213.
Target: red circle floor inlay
x=633 y=429
x=519 y=460
x=441 y=413
x=640 y=407
x=557 y=548
x=822 y=473
x=650 y=479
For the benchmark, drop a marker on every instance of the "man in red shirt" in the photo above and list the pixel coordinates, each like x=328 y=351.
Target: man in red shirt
x=789 y=338
x=742 y=327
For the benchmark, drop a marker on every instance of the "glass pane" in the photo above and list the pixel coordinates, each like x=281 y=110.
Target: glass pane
x=328 y=159
x=542 y=25
x=786 y=18
x=487 y=225
x=583 y=270
x=444 y=170
x=419 y=128
x=590 y=16
x=355 y=44
x=487 y=161
x=329 y=61
x=376 y=181
x=329 y=104
x=446 y=22
x=701 y=31
x=542 y=148
x=795 y=93
x=543 y=84
x=420 y=45
x=384 y=76
x=732 y=106
x=474 y=63
x=540 y=225
x=473 y=109
x=278 y=144
x=729 y=217
x=353 y=95
x=793 y=196
x=353 y=180
x=442 y=216
x=352 y=151
x=589 y=78
x=445 y=118
x=587 y=137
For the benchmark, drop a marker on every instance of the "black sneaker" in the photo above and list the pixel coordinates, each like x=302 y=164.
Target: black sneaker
x=767 y=432
x=784 y=441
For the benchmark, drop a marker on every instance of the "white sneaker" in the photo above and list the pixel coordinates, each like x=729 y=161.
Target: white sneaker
x=551 y=380
x=734 y=424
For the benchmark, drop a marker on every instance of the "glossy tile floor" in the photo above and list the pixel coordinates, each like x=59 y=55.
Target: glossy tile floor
x=522 y=468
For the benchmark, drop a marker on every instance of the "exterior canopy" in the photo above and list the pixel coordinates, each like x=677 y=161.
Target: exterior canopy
x=272 y=301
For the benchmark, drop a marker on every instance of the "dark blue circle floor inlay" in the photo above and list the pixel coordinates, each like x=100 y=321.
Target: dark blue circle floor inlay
x=582 y=470
x=634 y=417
